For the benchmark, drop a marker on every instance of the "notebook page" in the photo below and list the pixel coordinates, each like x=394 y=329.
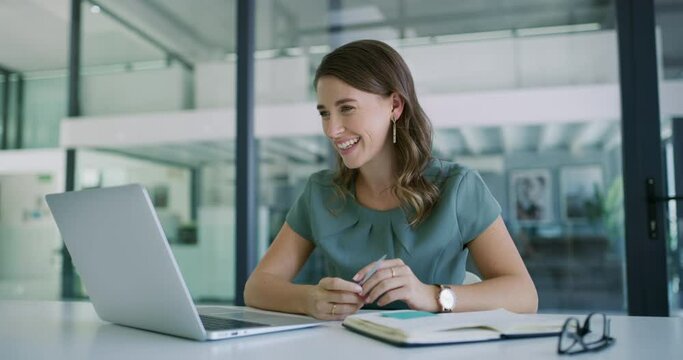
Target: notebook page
x=437 y=322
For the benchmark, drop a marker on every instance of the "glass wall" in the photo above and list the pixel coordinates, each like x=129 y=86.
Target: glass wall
x=143 y=76
x=527 y=95
x=669 y=22
x=144 y=69
x=30 y=260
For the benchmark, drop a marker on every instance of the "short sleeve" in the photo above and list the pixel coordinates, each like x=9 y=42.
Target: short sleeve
x=299 y=215
x=476 y=208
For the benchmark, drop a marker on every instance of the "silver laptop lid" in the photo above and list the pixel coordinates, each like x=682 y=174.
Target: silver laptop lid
x=120 y=251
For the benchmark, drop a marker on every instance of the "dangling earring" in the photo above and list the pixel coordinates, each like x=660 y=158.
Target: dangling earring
x=393 y=119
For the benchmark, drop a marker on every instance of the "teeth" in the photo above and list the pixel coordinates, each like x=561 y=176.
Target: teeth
x=347 y=144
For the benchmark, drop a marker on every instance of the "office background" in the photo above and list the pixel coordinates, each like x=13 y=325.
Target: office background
x=529 y=93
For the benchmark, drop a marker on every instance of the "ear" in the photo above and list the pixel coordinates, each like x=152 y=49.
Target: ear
x=397 y=104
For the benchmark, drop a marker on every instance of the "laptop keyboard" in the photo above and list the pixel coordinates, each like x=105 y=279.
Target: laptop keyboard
x=214 y=323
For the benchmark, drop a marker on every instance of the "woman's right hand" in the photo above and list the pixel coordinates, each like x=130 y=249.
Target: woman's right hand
x=334 y=299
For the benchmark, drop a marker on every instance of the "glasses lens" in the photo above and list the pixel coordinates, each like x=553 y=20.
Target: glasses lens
x=595 y=328
x=569 y=337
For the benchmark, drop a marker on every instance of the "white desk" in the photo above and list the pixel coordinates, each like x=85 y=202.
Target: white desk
x=72 y=330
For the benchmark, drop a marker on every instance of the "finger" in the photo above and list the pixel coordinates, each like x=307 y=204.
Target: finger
x=332 y=311
x=338 y=284
x=375 y=279
x=390 y=296
x=360 y=275
x=384 y=287
x=345 y=297
x=383 y=274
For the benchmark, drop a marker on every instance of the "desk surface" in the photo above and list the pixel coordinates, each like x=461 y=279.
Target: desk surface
x=72 y=330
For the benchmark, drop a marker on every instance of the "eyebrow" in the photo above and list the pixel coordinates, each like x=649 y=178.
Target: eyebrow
x=337 y=103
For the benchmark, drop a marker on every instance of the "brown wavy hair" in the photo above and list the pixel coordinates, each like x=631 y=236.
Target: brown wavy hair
x=375 y=67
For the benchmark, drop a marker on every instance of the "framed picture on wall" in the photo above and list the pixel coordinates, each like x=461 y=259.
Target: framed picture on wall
x=531 y=196
x=581 y=192
x=160 y=196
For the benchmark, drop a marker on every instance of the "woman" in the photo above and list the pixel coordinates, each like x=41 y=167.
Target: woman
x=388 y=196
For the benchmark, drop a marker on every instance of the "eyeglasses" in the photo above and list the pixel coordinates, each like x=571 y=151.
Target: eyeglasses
x=594 y=335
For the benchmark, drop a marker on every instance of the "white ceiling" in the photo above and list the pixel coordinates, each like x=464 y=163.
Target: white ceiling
x=35 y=38
x=35 y=32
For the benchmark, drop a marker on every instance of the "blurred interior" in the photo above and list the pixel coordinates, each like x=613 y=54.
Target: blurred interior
x=526 y=92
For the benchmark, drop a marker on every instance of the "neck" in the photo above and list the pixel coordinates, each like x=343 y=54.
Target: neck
x=379 y=174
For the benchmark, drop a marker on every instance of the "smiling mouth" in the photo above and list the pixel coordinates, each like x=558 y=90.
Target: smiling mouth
x=347 y=144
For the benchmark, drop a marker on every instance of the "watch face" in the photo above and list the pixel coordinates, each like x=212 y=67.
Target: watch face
x=446 y=299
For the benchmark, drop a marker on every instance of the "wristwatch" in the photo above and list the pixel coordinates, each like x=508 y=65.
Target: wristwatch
x=446 y=298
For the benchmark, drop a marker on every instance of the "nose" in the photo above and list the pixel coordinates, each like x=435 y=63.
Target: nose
x=334 y=127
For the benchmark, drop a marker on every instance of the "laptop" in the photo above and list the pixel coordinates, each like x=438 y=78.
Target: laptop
x=121 y=253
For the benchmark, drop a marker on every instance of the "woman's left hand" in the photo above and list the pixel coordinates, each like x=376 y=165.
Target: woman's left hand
x=395 y=281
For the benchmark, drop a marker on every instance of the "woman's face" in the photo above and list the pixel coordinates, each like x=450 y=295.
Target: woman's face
x=358 y=123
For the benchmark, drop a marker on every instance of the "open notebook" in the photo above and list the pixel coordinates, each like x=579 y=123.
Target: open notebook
x=415 y=328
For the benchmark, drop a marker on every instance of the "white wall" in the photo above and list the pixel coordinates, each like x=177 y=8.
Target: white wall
x=133 y=92
x=514 y=62
x=495 y=64
x=276 y=80
x=570 y=59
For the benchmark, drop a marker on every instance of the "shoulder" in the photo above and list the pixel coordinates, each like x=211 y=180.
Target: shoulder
x=444 y=173
x=322 y=178
x=320 y=186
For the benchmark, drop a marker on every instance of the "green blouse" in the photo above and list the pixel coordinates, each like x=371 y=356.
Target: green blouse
x=351 y=235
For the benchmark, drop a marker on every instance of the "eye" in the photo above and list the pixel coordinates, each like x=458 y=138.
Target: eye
x=346 y=109
x=324 y=114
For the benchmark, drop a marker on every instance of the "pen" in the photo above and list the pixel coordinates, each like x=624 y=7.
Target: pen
x=372 y=271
